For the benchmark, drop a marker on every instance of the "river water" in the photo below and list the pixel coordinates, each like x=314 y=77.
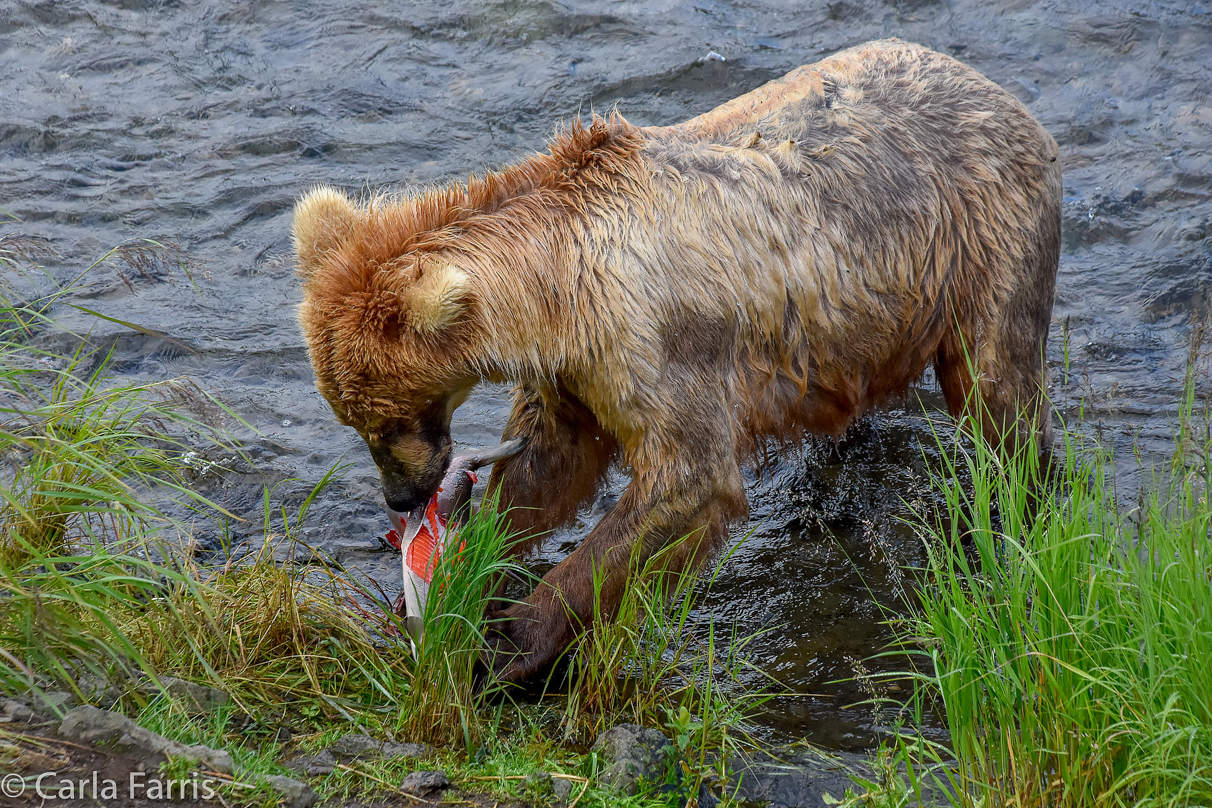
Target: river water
x=198 y=124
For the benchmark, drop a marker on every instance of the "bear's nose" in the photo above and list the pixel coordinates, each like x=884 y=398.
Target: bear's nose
x=403 y=503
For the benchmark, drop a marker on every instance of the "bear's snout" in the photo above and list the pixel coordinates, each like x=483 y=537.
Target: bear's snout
x=410 y=469
x=404 y=492
x=405 y=502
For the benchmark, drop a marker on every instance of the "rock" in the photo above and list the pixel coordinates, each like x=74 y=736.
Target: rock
x=392 y=750
x=12 y=711
x=294 y=794
x=313 y=765
x=539 y=784
x=87 y=724
x=561 y=788
x=419 y=784
x=359 y=745
x=630 y=753
x=98 y=690
x=356 y=745
x=195 y=698
x=59 y=701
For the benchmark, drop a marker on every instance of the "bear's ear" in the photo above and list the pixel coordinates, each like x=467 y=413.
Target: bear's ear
x=324 y=218
x=436 y=298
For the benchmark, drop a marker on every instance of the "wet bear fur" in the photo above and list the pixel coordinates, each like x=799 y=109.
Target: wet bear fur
x=667 y=298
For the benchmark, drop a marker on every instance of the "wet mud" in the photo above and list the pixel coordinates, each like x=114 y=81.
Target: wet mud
x=198 y=125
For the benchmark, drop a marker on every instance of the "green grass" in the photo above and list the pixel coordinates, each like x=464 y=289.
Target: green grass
x=83 y=460
x=80 y=460
x=1071 y=641
x=663 y=663
x=446 y=707
x=92 y=579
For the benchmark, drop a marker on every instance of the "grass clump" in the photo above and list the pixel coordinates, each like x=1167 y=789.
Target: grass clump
x=274 y=638
x=94 y=582
x=446 y=707
x=661 y=662
x=81 y=462
x=81 y=459
x=1071 y=640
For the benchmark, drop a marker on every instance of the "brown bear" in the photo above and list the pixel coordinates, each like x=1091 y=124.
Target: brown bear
x=667 y=298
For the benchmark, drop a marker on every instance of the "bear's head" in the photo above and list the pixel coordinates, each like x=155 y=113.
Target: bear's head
x=387 y=325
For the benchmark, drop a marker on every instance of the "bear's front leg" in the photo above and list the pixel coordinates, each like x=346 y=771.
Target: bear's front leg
x=566 y=455
x=695 y=502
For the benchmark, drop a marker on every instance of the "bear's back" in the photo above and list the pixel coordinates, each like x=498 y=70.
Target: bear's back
x=883 y=85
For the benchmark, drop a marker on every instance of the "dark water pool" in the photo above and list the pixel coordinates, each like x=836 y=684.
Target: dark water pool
x=199 y=123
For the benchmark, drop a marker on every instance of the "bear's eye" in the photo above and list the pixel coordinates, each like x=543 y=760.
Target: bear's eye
x=390 y=432
x=411 y=452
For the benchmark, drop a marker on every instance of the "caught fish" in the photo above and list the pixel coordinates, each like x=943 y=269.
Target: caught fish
x=422 y=534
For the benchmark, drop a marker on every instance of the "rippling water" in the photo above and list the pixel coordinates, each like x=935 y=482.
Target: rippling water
x=198 y=123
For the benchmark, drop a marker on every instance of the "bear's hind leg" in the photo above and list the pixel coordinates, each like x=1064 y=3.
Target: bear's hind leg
x=1009 y=399
x=997 y=371
x=999 y=315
